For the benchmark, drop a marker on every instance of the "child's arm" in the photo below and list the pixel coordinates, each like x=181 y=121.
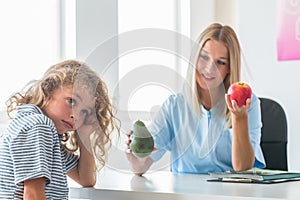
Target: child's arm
x=85 y=173
x=34 y=189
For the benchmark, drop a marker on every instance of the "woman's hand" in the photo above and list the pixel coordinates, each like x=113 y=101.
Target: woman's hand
x=237 y=111
x=138 y=165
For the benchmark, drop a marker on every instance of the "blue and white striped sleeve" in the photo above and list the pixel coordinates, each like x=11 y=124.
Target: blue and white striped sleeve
x=32 y=153
x=70 y=159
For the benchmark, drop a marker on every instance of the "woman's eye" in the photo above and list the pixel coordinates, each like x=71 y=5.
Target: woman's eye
x=219 y=62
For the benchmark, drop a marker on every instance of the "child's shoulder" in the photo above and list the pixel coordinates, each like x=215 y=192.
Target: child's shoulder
x=28 y=116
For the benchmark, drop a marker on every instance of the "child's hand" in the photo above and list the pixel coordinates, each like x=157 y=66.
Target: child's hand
x=89 y=125
x=84 y=131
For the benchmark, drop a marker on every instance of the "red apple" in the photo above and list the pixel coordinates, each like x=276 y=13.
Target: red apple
x=239 y=92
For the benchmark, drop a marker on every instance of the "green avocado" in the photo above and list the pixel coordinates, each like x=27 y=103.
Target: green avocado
x=142 y=144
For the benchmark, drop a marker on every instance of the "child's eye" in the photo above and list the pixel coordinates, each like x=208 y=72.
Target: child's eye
x=71 y=101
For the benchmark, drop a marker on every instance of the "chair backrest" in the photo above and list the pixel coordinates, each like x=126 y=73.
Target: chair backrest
x=274 y=134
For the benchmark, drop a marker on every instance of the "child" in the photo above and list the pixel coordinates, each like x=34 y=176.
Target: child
x=61 y=124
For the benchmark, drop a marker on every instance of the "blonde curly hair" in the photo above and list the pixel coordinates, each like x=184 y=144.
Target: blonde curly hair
x=77 y=74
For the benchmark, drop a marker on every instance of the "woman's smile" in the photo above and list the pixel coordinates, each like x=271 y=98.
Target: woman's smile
x=207 y=77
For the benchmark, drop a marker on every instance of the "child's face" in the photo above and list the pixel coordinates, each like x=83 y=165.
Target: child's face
x=68 y=109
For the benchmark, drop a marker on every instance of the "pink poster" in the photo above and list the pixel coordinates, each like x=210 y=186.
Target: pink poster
x=288 y=30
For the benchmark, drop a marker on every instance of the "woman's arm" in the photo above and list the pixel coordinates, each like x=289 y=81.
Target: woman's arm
x=35 y=189
x=161 y=133
x=242 y=152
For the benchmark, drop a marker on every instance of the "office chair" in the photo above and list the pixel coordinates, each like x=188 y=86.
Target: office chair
x=274 y=134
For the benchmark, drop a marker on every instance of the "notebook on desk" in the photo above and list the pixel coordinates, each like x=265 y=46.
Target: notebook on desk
x=255 y=175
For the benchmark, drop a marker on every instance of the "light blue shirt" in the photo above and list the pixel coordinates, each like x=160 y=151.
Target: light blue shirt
x=200 y=144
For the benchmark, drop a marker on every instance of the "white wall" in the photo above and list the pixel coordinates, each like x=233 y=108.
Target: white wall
x=255 y=23
x=278 y=80
x=30 y=42
x=96 y=41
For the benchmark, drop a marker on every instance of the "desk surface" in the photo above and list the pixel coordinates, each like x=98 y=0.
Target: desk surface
x=162 y=184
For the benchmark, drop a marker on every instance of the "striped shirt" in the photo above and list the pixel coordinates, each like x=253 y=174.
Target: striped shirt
x=31 y=148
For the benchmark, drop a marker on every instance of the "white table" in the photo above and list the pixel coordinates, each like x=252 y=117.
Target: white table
x=159 y=185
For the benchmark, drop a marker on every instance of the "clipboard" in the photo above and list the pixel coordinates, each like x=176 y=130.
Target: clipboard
x=254 y=175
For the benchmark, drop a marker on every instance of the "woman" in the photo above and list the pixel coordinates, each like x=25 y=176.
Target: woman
x=202 y=128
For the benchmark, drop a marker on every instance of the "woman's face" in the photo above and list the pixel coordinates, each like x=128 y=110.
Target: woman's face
x=212 y=65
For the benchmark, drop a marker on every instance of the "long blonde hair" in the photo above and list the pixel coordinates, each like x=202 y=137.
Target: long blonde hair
x=228 y=37
x=71 y=73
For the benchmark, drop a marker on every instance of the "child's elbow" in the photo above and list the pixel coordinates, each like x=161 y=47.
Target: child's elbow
x=91 y=183
x=88 y=182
